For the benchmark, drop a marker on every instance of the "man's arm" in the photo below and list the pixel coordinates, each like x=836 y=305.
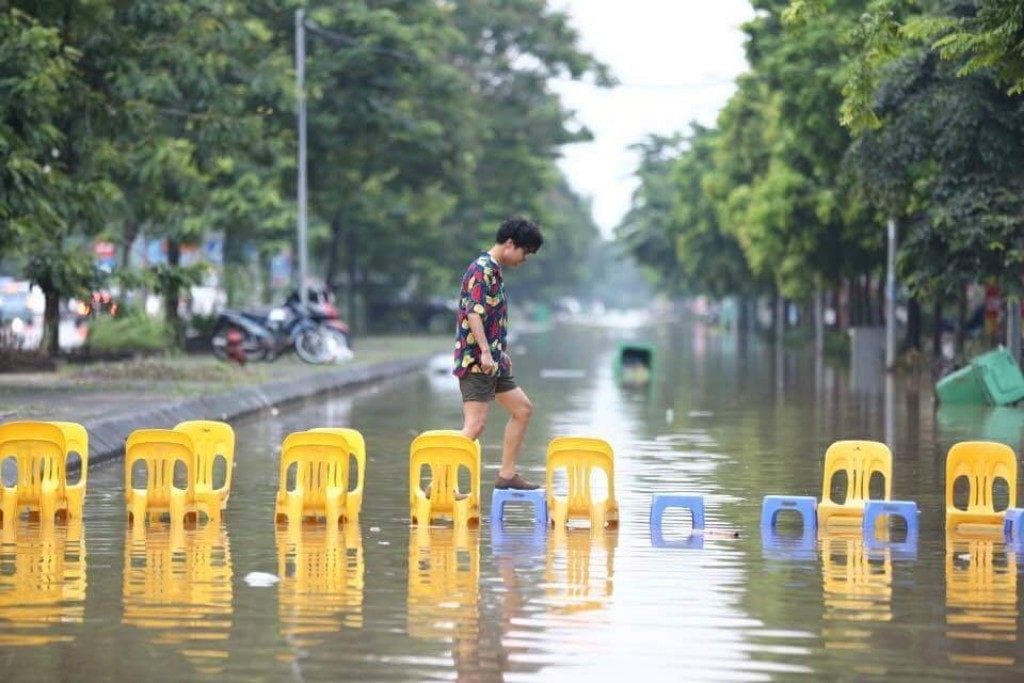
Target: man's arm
x=476 y=326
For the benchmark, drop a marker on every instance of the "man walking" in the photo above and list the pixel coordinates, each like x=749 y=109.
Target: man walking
x=482 y=363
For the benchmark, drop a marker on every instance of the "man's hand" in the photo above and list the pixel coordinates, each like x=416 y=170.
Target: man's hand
x=487 y=363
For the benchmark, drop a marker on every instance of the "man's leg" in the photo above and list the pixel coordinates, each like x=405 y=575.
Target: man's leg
x=474 y=414
x=519 y=408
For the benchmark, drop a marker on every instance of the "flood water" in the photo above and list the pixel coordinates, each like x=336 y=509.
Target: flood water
x=383 y=601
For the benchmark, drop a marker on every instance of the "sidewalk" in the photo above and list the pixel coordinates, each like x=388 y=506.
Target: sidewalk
x=113 y=399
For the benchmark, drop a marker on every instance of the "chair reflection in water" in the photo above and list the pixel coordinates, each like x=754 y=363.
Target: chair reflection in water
x=316 y=476
x=42 y=584
x=857 y=587
x=444 y=582
x=40 y=452
x=575 y=582
x=859 y=464
x=981 y=601
x=579 y=458
x=178 y=584
x=982 y=465
x=322 y=577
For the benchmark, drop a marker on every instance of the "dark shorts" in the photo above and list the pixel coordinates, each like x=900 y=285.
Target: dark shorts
x=476 y=386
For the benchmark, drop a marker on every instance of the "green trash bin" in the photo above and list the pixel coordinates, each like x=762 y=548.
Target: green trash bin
x=634 y=363
x=960 y=387
x=1000 y=377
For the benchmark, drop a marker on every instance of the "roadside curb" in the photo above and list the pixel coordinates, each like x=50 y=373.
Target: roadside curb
x=107 y=436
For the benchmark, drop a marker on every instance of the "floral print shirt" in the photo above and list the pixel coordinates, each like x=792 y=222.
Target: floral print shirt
x=483 y=293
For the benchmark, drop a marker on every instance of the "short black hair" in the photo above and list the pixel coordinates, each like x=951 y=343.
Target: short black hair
x=522 y=231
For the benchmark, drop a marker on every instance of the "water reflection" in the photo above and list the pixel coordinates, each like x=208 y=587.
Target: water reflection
x=857 y=587
x=981 y=601
x=177 y=583
x=444 y=582
x=580 y=569
x=322 y=579
x=42 y=583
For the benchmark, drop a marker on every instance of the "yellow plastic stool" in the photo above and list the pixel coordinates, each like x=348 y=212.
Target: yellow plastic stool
x=982 y=462
x=357 y=446
x=320 y=459
x=160 y=450
x=579 y=456
x=39 y=449
x=859 y=460
x=211 y=440
x=444 y=451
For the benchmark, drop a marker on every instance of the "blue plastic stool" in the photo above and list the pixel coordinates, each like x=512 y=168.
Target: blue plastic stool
x=662 y=501
x=873 y=509
x=1013 y=526
x=773 y=505
x=538 y=498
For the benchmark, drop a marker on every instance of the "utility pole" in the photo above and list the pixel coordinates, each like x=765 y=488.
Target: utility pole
x=300 y=92
x=890 y=299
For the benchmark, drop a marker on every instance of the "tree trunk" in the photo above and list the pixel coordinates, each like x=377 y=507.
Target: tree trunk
x=51 y=324
x=172 y=294
x=937 y=329
x=961 y=322
x=353 y=285
x=332 y=252
x=131 y=231
x=913 y=338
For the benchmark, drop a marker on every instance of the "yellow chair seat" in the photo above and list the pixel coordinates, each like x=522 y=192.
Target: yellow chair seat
x=859 y=460
x=981 y=463
x=320 y=458
x=211 y=441
x=444 y=451
x=579 y=456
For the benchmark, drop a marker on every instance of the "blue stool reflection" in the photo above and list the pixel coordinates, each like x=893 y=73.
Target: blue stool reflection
x=773 y=505
x=538 y=498
x=782 y=547
x=523 y=544
x=662 y=501
x=1013 y=526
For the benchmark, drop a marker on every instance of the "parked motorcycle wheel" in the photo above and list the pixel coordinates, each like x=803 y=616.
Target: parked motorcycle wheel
x=311 y=346
x=253 y=348
x=337 y=344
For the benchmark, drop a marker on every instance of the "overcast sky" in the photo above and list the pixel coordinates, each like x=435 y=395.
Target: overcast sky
x=677 y=61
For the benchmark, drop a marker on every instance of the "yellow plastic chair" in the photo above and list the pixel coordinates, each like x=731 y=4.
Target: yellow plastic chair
x=211 y=440
x=444 y=451
x=76 y=440
x=39 y=450
x=981 y=462
x=859 y=460
x=160 y=450
x=353 y=496
x=320 y=459
x=579 y=456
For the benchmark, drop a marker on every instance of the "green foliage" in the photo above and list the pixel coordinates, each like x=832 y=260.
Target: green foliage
x=130 y=331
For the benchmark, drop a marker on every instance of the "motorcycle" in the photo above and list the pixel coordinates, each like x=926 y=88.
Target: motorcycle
x=264 y=334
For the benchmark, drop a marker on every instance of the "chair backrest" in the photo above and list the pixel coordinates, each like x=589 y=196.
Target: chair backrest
x=320 y=459
x=39 y=450
x=357 y=449
x=444 y=451
x=161 y=450
x=211 y=440
x=76 y=440
x=579 y=456
x=859 y=460
x=981 y=462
